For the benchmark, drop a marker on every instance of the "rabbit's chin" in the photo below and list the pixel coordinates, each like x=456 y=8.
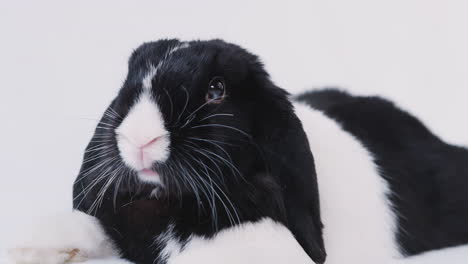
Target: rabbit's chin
x=150 y=176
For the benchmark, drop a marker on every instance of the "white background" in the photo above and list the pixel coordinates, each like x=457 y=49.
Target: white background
x=61 y=62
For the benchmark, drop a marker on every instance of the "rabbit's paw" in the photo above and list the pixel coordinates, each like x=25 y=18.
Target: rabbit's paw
x=44 y=256
x=66 y=238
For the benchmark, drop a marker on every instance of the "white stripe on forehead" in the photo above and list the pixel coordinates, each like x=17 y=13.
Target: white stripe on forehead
x=183 y=45
x=149 y=76
x=153 y=70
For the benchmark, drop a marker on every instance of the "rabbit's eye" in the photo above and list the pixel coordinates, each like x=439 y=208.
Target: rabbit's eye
x=216 y=90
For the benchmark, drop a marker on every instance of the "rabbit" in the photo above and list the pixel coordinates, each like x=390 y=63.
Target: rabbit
x=198 y=141
x=202 y=158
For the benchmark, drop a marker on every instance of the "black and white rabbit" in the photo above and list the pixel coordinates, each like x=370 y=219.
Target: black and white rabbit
x=201 y=158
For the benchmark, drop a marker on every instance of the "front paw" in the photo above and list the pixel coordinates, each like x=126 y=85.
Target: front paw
x=65 y=238
x=45 y=256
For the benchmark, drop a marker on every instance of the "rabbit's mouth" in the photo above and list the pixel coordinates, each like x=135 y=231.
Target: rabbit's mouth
x=148 y=173
x=150 y=176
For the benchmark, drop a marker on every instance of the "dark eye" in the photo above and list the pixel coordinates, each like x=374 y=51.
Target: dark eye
x=216 y=90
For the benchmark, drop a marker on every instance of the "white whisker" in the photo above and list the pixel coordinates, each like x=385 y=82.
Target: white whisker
x=210 y=116
x=225 y=126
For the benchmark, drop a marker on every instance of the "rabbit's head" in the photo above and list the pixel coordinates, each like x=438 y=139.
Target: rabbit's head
x=202 y=119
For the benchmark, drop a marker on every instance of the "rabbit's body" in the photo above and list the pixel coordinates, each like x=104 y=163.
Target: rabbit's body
x=427 y=178
x=359 y=223
x=200 y=154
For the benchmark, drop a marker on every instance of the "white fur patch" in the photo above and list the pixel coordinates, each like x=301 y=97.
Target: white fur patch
x=358 y=219
x=73 y=236
x=183 y=45
x=262 y=242
x=171 y=246
x=147 y=80
x=143 y=124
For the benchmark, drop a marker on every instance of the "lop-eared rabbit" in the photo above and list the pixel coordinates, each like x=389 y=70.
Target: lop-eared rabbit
x=200 y=158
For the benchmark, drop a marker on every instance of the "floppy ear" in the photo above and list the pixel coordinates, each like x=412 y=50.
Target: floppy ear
x=290 y=161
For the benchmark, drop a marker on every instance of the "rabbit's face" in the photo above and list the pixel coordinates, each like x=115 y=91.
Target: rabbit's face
x=185 y=116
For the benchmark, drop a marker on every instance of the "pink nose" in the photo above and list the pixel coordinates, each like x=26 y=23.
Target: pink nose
x=149 y=143
x=145 y=160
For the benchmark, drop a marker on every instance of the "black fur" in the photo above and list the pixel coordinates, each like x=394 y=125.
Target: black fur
x=428 y=177
x=274 y=173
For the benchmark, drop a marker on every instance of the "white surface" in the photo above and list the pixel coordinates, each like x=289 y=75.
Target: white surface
x=458 y=255
x=61 y=62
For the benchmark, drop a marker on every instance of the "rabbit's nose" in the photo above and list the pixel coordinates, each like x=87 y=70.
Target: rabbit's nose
x=142 y=138
x=147 y=151
x=151 y=142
